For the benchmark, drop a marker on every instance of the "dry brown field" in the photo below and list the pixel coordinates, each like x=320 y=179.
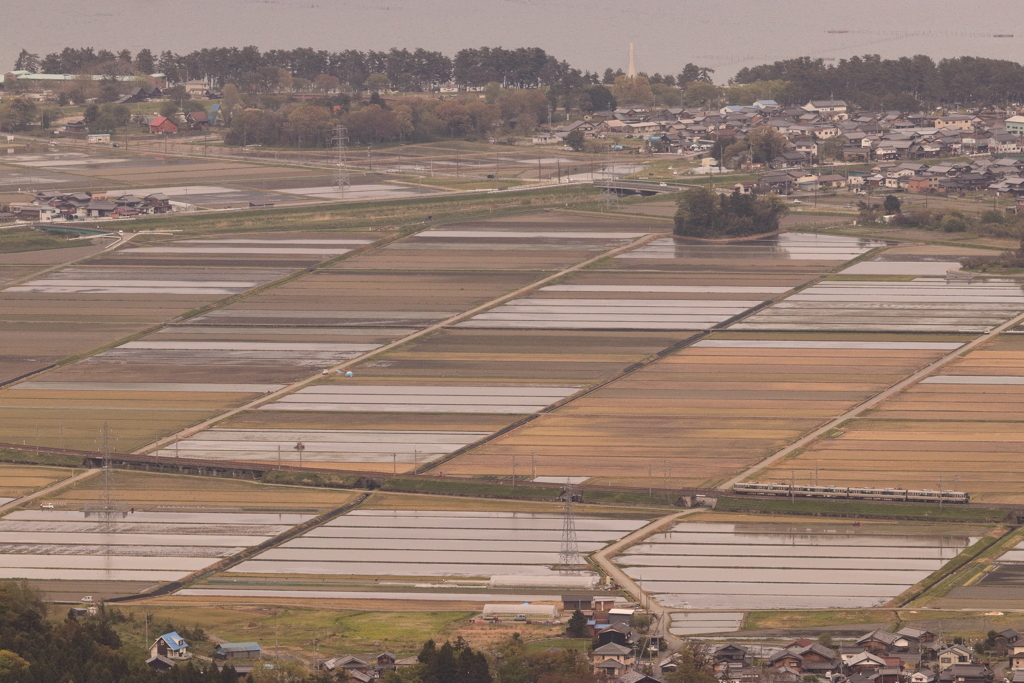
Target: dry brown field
x=519 y=355
x=965 y=433
x=696 y=416
x=19 y=480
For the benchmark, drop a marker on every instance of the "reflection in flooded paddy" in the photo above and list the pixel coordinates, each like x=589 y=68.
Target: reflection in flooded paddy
x=777 y=566
x=67 y=545
x=423 y=543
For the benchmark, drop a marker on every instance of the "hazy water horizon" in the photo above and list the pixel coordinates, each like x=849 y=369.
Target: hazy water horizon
x=725 y=35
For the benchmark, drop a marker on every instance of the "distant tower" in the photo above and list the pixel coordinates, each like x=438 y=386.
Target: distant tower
x=569 y=559
x=632 y=63
x=341 y=177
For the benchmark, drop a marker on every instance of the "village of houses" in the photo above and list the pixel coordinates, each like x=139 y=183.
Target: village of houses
x=621 y=653
x=884 y=152
x=895 y=147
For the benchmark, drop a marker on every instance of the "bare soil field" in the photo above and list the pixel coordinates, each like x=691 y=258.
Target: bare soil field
x=18 y=480
x=696 y=415
x=961 y=424
x=519 y=355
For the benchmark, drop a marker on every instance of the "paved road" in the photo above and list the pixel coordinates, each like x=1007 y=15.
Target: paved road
x=295 y=386
x=56 y=486
x=870 y=403
x=604 y=558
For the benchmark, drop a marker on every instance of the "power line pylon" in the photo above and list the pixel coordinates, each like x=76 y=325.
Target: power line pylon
x=569 y=559
x=341 y=176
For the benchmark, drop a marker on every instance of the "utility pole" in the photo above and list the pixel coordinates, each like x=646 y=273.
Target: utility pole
x=300 y=447
x=513 y=472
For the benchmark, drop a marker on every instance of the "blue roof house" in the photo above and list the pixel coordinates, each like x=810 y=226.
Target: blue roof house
x=171 y=646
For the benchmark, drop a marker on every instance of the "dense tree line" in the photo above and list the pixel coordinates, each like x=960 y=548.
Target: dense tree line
x=906 y=83
x=395 y=69
x=704 y=213
x=410 y=119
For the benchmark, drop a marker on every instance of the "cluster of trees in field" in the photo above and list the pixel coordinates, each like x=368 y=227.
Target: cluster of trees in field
x=704 y=213
x=906 y=83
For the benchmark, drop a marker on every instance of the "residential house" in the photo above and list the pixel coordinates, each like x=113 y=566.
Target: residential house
x=789 y=159
x=831 y=181
x=922 y=184
x=610 y=667
x=197 y=120
x=201 y=88
x=966 y=673
x=170 y=646
x=347 y=663
x=1007 y=638
x=815 y=659
x=157 y=202
x=829 y=109
x=612 y=652
x=162 y=124
x=958 y=121
x=923 y=676
x=954 y=654
x=1015 y=125
x=620 y=633
x=577 y=602
x=863 y=662
x=746 y=187
x=637 y=677
x=1017 y=656
x=385 y=661
x=730 y=652
x=611 y=126
x=249 y=650
x=779 y=182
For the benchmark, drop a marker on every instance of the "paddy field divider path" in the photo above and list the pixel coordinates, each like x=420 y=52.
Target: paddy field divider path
x=604 y=557
x=453 y=320
x=870 y=403
x=52 y=488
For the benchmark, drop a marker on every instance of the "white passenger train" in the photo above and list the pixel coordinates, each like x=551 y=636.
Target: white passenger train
x=851 y=492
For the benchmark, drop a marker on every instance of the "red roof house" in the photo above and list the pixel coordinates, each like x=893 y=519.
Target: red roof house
x=162 y=124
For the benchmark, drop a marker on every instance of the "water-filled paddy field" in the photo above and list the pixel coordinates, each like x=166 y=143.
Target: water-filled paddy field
x=750 y=565
x=64 y=545
x=414 y=543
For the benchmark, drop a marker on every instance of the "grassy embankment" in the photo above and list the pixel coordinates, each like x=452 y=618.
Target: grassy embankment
x=864 y=509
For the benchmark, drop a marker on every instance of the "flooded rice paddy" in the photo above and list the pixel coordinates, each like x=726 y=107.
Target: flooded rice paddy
x=652 y=307
x=431 y=543
x=286 y=247
x=787 y=246
x=167 y=282
x=129 y=546
x=923 y=305
x=875 y=267
x=322 y=445
x=696 y=623
x=742 y=566
x=422 y=399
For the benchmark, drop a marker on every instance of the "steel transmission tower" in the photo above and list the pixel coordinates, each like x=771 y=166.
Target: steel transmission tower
x=569 y=559
x=341 y=176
